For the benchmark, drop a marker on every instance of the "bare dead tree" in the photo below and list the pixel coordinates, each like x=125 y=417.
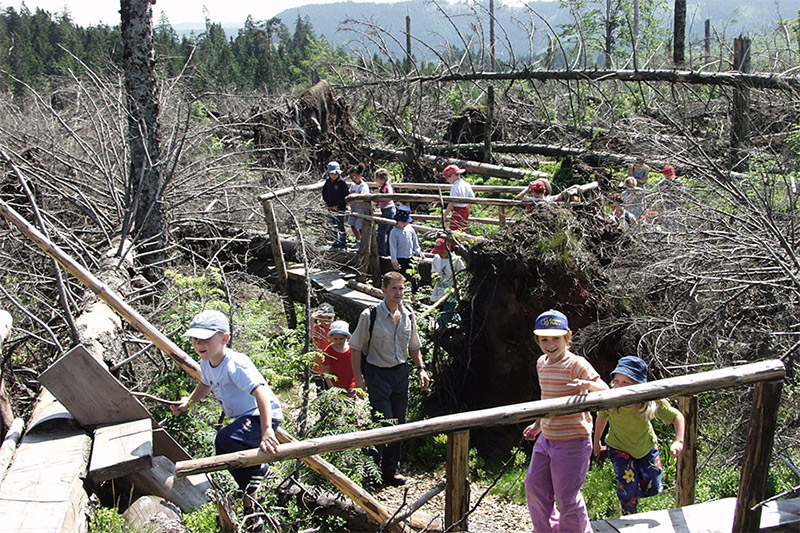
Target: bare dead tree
x=145 y=175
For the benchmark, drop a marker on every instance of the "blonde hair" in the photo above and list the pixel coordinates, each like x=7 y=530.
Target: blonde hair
x=648 y=409
x=382 y=173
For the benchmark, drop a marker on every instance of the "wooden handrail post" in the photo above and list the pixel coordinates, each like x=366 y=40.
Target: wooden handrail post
x=456 y=499
x=758 y=450
x=687 y=461
x=368 y=246
x=501 y=215
x=280 y=265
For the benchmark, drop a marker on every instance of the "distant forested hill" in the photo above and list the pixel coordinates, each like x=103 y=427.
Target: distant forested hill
x=729 y=18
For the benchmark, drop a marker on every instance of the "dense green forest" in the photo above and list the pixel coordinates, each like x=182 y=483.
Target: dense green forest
x=263 y=56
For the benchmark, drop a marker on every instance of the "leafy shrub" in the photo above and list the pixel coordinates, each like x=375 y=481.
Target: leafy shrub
x=202 y=520
x=107 y=520
x=335 y=413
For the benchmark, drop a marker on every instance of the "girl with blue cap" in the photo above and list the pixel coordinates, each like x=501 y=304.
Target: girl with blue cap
x=631 y=440
x=560 y=458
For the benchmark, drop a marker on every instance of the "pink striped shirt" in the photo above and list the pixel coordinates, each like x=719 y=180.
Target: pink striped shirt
x=553 y=379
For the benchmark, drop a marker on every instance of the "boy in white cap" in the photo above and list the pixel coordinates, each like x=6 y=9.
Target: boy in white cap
x=337 y=365
x=461 y=188
x=243 y=394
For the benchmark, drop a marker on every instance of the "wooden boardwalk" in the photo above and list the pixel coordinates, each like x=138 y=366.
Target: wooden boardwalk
x=708 y=517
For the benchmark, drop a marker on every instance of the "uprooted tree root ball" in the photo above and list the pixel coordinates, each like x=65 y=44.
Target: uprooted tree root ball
x=550 y=259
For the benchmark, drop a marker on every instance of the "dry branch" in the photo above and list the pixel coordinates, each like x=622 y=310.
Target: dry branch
x=473 y=167
x=188 y=364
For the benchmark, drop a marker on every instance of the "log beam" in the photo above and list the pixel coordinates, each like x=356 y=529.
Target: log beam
x=509 y=414
x=473 y=167
x=280 y=264
x=686 y=476
x=433 y=198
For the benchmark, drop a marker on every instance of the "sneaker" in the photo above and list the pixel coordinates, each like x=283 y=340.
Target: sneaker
x=356 y=245
x=393 y=479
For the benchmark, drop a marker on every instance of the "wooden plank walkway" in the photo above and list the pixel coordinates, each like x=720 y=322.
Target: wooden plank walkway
x=708 y=517
x=334 y=283
x=43 y=490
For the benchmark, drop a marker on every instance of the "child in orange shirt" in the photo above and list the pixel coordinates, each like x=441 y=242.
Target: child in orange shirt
x=560 y=458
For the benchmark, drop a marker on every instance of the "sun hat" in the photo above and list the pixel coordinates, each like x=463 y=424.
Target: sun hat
x=538 y=186
x=551 y=323
x=403 y=214
x=334 y=168
x=206 y=324
x=451 y=170
x=439 y=246
x=633 y=367
x=341 y=327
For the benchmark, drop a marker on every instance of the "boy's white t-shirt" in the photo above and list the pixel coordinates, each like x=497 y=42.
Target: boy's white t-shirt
x=441 y=266
x=233 y=383
x=462 y=189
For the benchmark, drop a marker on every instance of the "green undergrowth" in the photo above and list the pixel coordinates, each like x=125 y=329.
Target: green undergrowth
x=278 y=353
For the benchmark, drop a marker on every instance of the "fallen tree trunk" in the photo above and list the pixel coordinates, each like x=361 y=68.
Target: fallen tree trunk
x=473 y=167
x=109 y=296
x=733 y=79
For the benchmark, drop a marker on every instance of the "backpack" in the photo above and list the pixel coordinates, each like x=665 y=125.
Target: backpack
x=373 y=314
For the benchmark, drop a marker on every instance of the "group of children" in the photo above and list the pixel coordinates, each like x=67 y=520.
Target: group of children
x=635 y=199
x=335 y=190
x=560 y=458
x=561 y=453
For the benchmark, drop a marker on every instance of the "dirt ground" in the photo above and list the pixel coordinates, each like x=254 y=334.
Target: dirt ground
x=492 y=515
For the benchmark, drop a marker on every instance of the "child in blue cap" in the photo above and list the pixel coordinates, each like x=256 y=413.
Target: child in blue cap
x=404 y=245
x=631 y=441
x=560 y=458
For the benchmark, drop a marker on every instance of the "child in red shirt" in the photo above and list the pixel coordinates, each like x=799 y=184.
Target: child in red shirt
x=337 y=366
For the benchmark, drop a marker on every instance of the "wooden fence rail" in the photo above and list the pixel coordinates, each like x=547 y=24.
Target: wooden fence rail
x=753 y=478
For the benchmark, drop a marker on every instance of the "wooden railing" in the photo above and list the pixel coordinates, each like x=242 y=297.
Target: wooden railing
x=766 y=375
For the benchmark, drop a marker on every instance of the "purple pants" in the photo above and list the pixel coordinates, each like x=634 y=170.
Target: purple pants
x=557 y=472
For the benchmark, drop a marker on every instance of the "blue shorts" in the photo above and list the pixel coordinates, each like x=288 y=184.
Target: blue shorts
x=244 y=433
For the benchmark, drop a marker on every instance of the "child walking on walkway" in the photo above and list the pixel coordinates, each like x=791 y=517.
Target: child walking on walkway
x=560 y=458
x=337 y=363
x=404 y=245
x=631 y=441
x=244 y=395
x=387 y=210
